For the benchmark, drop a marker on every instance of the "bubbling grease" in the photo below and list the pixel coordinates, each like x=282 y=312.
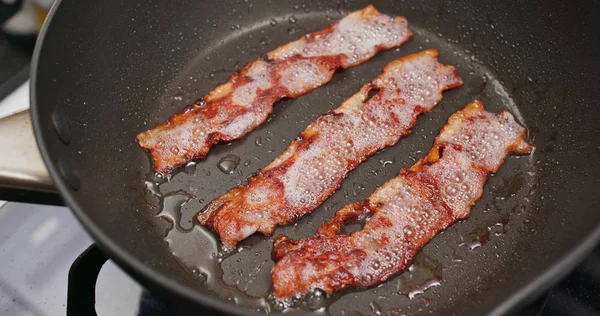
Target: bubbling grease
x=240 y=105
x=406 y=212
x=315 y=164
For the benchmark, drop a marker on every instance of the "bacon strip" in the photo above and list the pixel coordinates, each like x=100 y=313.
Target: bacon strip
x=240 y=105
x=403 y=214
x=315 y=164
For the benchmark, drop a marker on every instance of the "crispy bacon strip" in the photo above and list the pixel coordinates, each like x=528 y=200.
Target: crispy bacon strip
x=314 y=165
x=403 y=214
x=240 y=105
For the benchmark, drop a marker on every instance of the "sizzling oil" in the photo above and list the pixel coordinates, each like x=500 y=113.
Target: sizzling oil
x=198 y=251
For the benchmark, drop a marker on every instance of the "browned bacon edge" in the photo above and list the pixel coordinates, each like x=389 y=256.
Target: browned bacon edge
x=403 y=214
x=315 y=164
x=289 y=71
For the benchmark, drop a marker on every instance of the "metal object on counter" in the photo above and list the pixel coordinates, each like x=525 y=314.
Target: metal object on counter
x=21 y=166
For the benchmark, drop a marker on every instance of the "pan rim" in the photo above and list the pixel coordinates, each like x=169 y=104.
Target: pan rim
x=152 y=279
x=145 y=275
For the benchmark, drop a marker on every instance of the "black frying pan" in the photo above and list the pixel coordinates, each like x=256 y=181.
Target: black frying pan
x=104 y=71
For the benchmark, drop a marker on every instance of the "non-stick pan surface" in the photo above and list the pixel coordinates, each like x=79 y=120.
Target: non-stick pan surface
x=104 y=71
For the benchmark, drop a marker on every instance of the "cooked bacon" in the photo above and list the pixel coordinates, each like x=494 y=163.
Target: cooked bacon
x=240 y=105
x=403 y=214
x=314 y=165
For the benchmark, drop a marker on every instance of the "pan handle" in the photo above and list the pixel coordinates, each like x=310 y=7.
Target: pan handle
x=23 y=174
x=81 y=294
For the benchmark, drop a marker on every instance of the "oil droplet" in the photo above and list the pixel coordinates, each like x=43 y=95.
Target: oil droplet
x=420 y=290
x=474 y=244
x=190 y=167
x=153 y=188
x=451 y=191
x=258 y=141
x=157 y=177
x=458 y=177
x=376 y=265
x=178 y=97
x=292 y=19
x=273 y=22
x=478 y=237
x=228 y=164
x=315 y=299
x=375 y=308
x=278 y=305
x=201 y=275
x=423 y=274
x=171 y=206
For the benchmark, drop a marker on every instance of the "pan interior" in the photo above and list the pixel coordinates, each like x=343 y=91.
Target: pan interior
x=493 y=231
x=129 y=66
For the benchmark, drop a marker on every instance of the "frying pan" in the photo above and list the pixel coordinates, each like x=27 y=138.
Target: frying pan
x=105 y=70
